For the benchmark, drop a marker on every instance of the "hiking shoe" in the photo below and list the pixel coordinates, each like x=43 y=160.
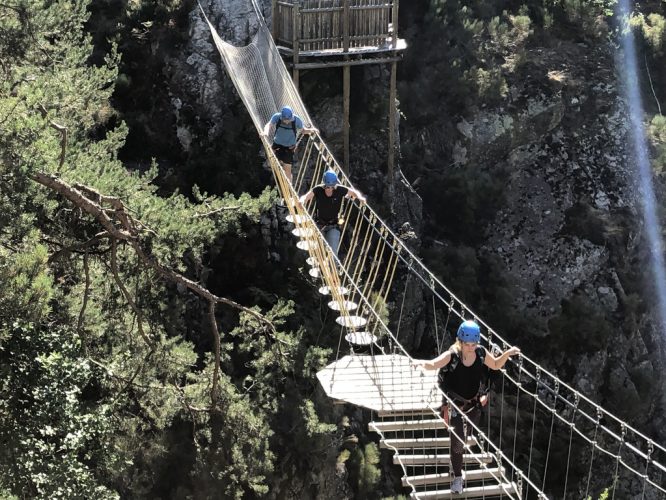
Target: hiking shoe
x=457 y=485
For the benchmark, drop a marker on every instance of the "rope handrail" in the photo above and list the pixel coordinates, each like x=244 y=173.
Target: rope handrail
x=593 y=442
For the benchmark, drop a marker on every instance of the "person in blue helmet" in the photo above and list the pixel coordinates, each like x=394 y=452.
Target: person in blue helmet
x=461 y=378
x=287 y=126
x=328 y=198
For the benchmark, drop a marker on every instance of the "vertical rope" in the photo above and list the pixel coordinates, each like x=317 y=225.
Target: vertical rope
x=550 y=434
x=648 y=459
x=571 y=428
x=536 y=397
x=623 y=435
x=515 y=424
x=594 y=447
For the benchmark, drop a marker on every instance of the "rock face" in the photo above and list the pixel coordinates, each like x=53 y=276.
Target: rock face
x=572 y=214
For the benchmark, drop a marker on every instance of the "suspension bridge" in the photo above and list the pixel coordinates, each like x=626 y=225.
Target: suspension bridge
x=540 y=438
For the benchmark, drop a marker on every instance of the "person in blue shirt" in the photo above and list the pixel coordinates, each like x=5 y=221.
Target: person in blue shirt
x=327 y=204
x=287 y=126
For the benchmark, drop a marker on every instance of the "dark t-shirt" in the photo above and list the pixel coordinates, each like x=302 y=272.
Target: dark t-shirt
x=327 y=208
x=465 y=380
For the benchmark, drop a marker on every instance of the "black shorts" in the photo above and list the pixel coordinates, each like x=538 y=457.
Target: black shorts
x=284 y=153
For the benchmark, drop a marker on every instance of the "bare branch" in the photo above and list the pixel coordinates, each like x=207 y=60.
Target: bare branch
x=63 y=134
x=86 y=295
x=123 y=228
x=128 y=297
x=213 y=212
x=216 y=336
x=78 y=248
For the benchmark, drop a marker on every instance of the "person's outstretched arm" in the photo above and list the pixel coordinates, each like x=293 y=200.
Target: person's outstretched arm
x=267 y=127
x=497 y=363
x=439 y=362
x=355 y=195
x=306 y=197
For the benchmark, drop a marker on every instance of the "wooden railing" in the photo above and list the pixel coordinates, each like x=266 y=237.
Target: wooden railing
x=316 y=25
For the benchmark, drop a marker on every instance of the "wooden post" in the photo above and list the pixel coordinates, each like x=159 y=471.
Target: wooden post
x=295 y=39
x=345 y=25
x=394 y=17
x=275 y=32
x=345 y=120
x=345 y=83
x=392 y=121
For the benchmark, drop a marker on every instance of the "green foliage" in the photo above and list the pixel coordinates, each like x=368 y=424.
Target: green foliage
x=316 y=358
x=25 y=280
x=603 y=496
x=102 y=396
x=53 y=437
x=484 y=44
x=652 y=28
x=364 y=470
x=587 y=17
x=657 y=137
x=311 y=424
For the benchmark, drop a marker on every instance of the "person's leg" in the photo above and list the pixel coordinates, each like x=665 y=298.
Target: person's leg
x=332 y=236
x=456 y=425
x=462 y=429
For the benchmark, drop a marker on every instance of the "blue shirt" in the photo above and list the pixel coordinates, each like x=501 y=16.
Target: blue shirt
x=284 y=131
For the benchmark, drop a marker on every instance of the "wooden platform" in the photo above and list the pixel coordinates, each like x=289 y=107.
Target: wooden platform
x=382 y=383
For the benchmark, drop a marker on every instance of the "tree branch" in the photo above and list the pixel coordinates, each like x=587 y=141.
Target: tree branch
x=86 y=294
x=76 y=248
x=62 y=130
x=128 y=297
x=121 y=226
x=213 y=212
x=216 y=336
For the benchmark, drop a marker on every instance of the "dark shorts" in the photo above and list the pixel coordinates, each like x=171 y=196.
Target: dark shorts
x=284 y=153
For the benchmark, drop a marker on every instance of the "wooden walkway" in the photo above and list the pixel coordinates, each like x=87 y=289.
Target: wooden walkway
x=421 y=446
x=406 y=401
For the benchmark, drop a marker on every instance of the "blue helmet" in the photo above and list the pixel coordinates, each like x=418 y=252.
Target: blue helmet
x=287 y=113
x=469 y=331
x=330 y=178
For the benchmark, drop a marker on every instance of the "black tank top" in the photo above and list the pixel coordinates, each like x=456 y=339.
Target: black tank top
x=466 y=380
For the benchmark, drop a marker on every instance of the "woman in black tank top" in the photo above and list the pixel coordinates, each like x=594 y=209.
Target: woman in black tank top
x=463 y=382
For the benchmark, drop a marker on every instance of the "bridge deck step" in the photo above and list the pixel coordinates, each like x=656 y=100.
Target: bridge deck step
x=445 y=478
x=407 y=425
x=443 y=459
x=488 y=491
x=420 y=443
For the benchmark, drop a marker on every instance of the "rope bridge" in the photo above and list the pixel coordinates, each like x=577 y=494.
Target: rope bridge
x=539 y=438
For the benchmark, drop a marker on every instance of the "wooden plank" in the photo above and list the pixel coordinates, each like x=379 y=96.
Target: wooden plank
x=345 y=29
x=394 y=21
x=420 y=443
x=488 y=491
x=407 y=425
x=337 y=64
x=446 y=478
x=443 y=459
